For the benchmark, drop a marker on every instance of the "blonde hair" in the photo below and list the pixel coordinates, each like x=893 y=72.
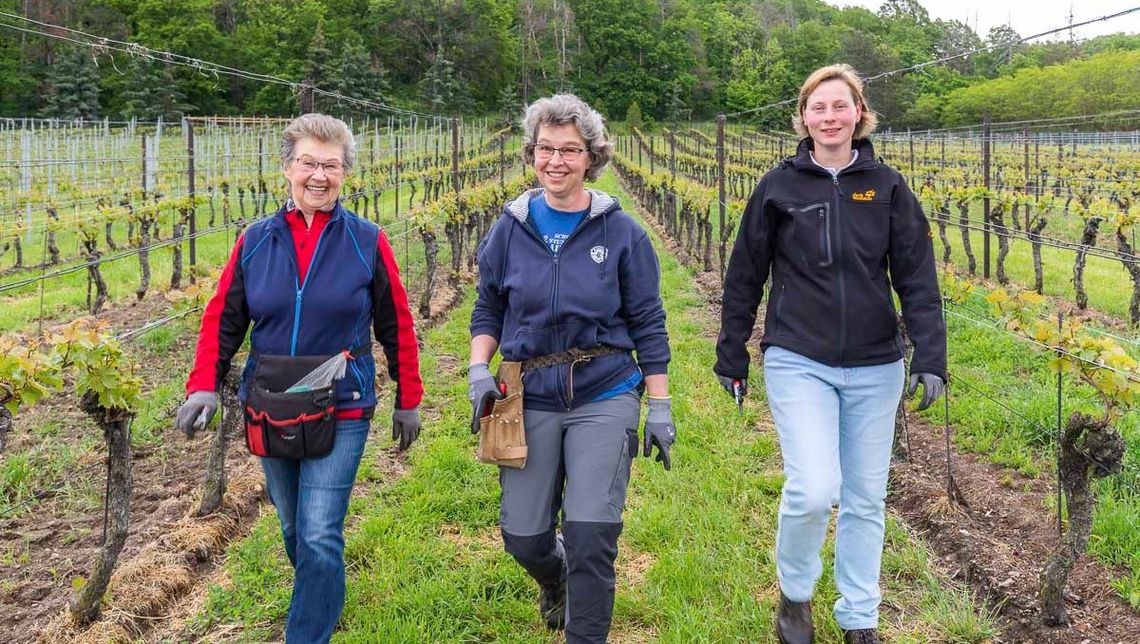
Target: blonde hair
x=846 y=73
x=322 y=127
x=567 y=109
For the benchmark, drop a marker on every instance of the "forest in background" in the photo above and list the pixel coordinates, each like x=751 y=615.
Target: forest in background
x=658 y=60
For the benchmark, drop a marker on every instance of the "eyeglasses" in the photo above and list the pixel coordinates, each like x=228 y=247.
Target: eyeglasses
x=310 y=165
x=569 y=153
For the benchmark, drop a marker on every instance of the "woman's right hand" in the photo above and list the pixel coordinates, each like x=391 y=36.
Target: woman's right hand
x=196 y=412
x=482 y=390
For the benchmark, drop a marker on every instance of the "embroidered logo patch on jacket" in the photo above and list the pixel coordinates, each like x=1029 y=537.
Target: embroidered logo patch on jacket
x=868 y=195
x=598 y=254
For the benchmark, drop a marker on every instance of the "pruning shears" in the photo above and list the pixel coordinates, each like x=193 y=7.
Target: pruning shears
x=202 y=420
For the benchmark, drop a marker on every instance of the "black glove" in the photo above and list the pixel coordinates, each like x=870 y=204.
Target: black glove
x=728 y=384
x=482 y=390
x=196 y=412
x=406 y=426
x=659 y=429
x=932 y=388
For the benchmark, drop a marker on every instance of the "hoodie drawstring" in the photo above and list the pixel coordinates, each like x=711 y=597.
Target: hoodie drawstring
x=605 y=243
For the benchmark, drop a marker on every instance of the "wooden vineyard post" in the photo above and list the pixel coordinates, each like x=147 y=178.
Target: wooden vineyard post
x=986 y=198
x=671 y=212
x=910 y=141
x=456 y=236
x=720 y=121
x=396 y=173
x=190 y=189
x=307 y=104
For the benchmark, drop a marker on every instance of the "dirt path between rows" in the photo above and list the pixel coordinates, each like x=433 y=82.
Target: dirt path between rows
x=170 y=557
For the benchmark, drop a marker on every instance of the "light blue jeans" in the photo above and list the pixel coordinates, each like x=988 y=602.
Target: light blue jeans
x=311 y=496
x=836 y=427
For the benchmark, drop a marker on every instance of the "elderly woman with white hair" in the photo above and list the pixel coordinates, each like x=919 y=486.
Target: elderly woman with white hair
x=569 y=287
x=315 y=281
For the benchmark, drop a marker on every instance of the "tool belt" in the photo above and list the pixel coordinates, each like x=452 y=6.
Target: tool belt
x=502 y=435
x=293 y=425
x=571 y=357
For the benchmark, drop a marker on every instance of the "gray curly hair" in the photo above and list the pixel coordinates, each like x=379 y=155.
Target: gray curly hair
x=322 y=127
x=566 y=109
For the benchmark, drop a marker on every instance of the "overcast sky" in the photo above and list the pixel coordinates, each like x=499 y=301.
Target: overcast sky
x=1027 y=17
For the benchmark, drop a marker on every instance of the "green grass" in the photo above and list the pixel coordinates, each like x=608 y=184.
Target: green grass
x=60 y=443
x=1107 y=283
x=994 y=372
x=696 y=554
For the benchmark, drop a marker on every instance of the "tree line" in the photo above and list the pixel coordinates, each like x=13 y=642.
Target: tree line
x=668 y=60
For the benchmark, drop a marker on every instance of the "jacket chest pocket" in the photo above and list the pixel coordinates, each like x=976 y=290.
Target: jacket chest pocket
x=870 y=229
x=811 y=226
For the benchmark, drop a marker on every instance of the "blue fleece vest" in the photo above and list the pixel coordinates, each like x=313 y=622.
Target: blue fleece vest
x=330 y=311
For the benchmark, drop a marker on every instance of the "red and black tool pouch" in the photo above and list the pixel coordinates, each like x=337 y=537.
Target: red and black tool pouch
x=291 y=425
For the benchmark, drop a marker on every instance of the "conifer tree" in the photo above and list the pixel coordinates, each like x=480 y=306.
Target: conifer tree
x=73 y=86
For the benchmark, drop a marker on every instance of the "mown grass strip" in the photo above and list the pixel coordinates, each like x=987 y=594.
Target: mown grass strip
x=696 y=561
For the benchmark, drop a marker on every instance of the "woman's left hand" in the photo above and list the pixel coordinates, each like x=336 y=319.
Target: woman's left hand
x=932 y=388
x=659 y=429
x=406 y=426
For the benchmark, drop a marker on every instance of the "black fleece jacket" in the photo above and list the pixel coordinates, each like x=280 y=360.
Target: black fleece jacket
x=833 y=247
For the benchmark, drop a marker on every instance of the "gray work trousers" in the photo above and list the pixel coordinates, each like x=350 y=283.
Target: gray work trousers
x=577 y=463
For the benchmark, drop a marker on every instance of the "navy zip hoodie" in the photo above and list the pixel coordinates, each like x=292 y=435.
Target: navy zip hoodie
x=601 y=289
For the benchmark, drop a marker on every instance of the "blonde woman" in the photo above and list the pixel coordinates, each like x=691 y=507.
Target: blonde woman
x=833 y=230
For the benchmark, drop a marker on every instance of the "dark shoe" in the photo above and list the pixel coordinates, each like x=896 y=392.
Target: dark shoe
x=793 y=622
x=552 y=605
x=861 y=636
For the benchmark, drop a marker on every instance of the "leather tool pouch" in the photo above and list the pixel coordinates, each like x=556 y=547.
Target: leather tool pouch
x=502 y=439
x=288 y=425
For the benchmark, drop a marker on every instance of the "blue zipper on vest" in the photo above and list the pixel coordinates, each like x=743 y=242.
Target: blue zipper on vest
x=301 y=287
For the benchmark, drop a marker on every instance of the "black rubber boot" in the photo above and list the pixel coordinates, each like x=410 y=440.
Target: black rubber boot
x=861 y=636
x=793 y=622
x=552 y=605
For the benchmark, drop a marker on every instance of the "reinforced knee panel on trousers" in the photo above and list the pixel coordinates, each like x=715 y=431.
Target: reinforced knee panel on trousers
x=591 y=549
x=541 y=555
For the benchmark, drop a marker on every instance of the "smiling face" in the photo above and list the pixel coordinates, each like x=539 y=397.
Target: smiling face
x=830 y=116
x=563 y=178
x=317 y=188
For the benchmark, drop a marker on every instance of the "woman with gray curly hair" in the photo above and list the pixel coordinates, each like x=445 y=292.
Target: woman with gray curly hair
x=569 y=287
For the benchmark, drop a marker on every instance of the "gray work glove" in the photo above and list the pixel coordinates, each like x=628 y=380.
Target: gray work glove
x=932 y=388
x=727 y=383
x=406 y=426
x=482 y=391
x=659 y=429
x=196 y=412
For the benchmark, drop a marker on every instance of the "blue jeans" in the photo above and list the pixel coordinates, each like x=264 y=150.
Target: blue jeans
x=836 y=427
x=311 y=496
